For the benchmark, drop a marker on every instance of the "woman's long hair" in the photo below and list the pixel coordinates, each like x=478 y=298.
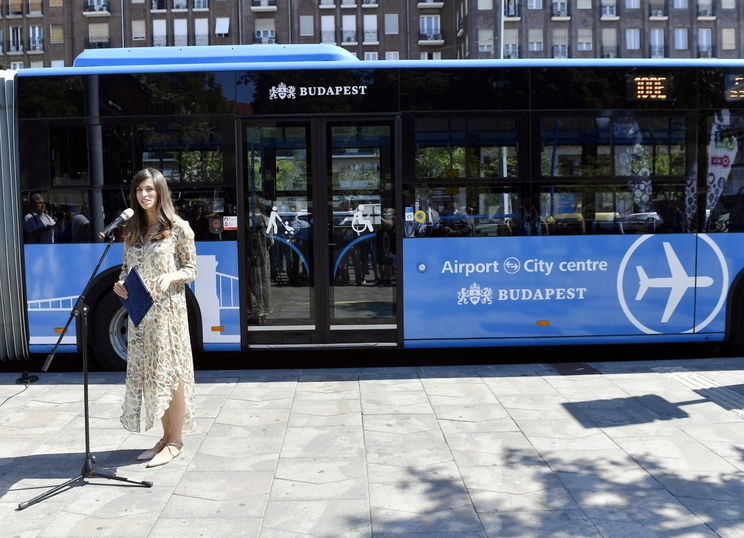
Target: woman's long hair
x=136 y=227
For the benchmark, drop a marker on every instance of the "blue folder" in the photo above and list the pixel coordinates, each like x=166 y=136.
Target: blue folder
x=139 y=299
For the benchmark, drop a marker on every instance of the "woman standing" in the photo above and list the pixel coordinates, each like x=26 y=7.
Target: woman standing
x=160 y=371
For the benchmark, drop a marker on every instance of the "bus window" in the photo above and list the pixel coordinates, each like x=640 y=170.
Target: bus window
x=724 y=171
x=613 y=208
x=465 y=211
x=451 y=148
x=575 y=146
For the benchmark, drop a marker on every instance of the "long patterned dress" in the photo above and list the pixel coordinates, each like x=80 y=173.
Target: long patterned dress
x=159 y=349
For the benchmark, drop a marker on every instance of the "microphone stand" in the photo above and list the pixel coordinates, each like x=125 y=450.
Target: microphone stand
x=80 y=310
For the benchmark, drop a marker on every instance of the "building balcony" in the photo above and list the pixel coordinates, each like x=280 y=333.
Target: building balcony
x=97 y=43
x=657 y=13
x=706 y=14
x=430 y=38
x=657 y=51
x=511 y=51
x=609 y=52
x=259 y=6
x=609 y=12
x=560 y=51
x=511 y=9
x=559 y=10
x=429 y=4
x=264 y=40
x=96 y=8
x=706 y=51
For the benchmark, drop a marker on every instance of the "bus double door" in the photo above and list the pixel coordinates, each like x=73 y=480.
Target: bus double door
x=320 y=247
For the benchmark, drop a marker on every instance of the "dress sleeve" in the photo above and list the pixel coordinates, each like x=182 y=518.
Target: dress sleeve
x=185 y=252
x=124 y=267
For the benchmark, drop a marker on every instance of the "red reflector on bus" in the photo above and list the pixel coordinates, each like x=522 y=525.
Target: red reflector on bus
x=543 y=322
x=218 y=328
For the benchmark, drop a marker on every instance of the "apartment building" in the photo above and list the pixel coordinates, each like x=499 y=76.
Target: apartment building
x=48 y=33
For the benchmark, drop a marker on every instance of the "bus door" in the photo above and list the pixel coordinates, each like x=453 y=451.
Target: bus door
x=320 y=246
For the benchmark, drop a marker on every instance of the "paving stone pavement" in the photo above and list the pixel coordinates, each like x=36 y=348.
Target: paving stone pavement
x=606 y=449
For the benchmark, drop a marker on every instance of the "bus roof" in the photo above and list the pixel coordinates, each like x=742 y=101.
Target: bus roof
x=310 y=57
x=214 y=54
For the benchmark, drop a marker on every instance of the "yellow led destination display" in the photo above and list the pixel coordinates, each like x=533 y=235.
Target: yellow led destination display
x=647 y=88
x=734 y=87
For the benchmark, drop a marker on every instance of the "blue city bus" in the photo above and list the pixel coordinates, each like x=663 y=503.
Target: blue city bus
x=399 y=204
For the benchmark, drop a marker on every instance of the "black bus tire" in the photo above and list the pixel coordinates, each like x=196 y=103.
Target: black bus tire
x=109 y=333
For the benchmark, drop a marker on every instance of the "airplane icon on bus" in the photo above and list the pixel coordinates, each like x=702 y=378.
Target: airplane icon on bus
x=678 y=283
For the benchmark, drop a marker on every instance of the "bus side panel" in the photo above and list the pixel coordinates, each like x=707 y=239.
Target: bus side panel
x=56 y=274
x=554 y=286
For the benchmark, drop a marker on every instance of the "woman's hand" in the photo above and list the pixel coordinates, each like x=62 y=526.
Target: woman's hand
x=163 y=282
x=120 y=290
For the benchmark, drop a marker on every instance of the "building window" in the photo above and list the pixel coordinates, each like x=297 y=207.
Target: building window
x=391 y=23
x=58 y=63
x=327 y=29
x=609 y=43
x=485 y=40
x=138 y=31
x=429 y=27
x=348 y=28
x=632 y=38
x=222 y=26
x=98 y=35
x=424 y=56
x=180 y=4
x=392 y=55
x=680 y=38
x=265 y=31
x=728 y=38
x=584 y=4
x=306 y=26
x=511 y=43
x=159 y=33
x=632 y=4
x=180 y=32
x=15 y=43
x=201 y=31
x=485 y=4
x=728 y=4
x=201 y=4
x=56 y=33
x=436 y=55
x=370 y=29
x=158 y=5
x=657 y=43
x=705 y=42
x=56 y=3
x=16 y=65
x=370 y=56
x=535 y=40
x=680 y=4
x=585 y=39
x=138 y=1
x=534 y=4
x=35 y=38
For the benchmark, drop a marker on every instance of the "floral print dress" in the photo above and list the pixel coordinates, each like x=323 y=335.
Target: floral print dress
x=159 y=349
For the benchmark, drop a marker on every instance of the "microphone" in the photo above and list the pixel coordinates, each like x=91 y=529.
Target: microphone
x=121 y=219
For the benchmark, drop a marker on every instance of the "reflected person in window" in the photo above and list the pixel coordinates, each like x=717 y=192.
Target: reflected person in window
x=38 y=225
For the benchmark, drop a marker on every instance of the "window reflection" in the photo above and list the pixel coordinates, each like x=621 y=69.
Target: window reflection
x=466 y=147
x=724 y=172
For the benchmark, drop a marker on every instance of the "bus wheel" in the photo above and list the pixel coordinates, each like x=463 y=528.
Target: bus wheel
x=110 y=333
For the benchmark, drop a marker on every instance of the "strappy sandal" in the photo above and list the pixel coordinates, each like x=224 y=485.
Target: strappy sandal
x=168 y=454
x=152 y=452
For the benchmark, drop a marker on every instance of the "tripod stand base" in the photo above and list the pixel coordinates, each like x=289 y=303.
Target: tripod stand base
x=89 y=471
